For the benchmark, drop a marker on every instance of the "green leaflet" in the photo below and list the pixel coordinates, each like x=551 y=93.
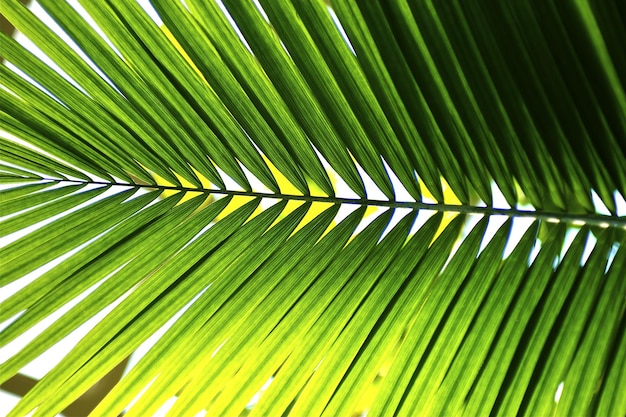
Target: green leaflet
x=42 y=212
x=35 y=199
x=262 y=323
x=60 y=285
x=234 y=310
x=54 y=239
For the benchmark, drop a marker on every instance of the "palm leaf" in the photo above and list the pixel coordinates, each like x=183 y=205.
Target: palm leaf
x=302 y=205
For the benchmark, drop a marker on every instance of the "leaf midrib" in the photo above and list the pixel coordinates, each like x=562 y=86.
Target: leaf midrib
x=576 y=219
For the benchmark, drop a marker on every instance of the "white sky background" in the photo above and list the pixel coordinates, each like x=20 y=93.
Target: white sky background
x=43 y=364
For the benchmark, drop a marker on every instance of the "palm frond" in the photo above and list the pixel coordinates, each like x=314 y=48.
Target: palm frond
x=264 y=197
